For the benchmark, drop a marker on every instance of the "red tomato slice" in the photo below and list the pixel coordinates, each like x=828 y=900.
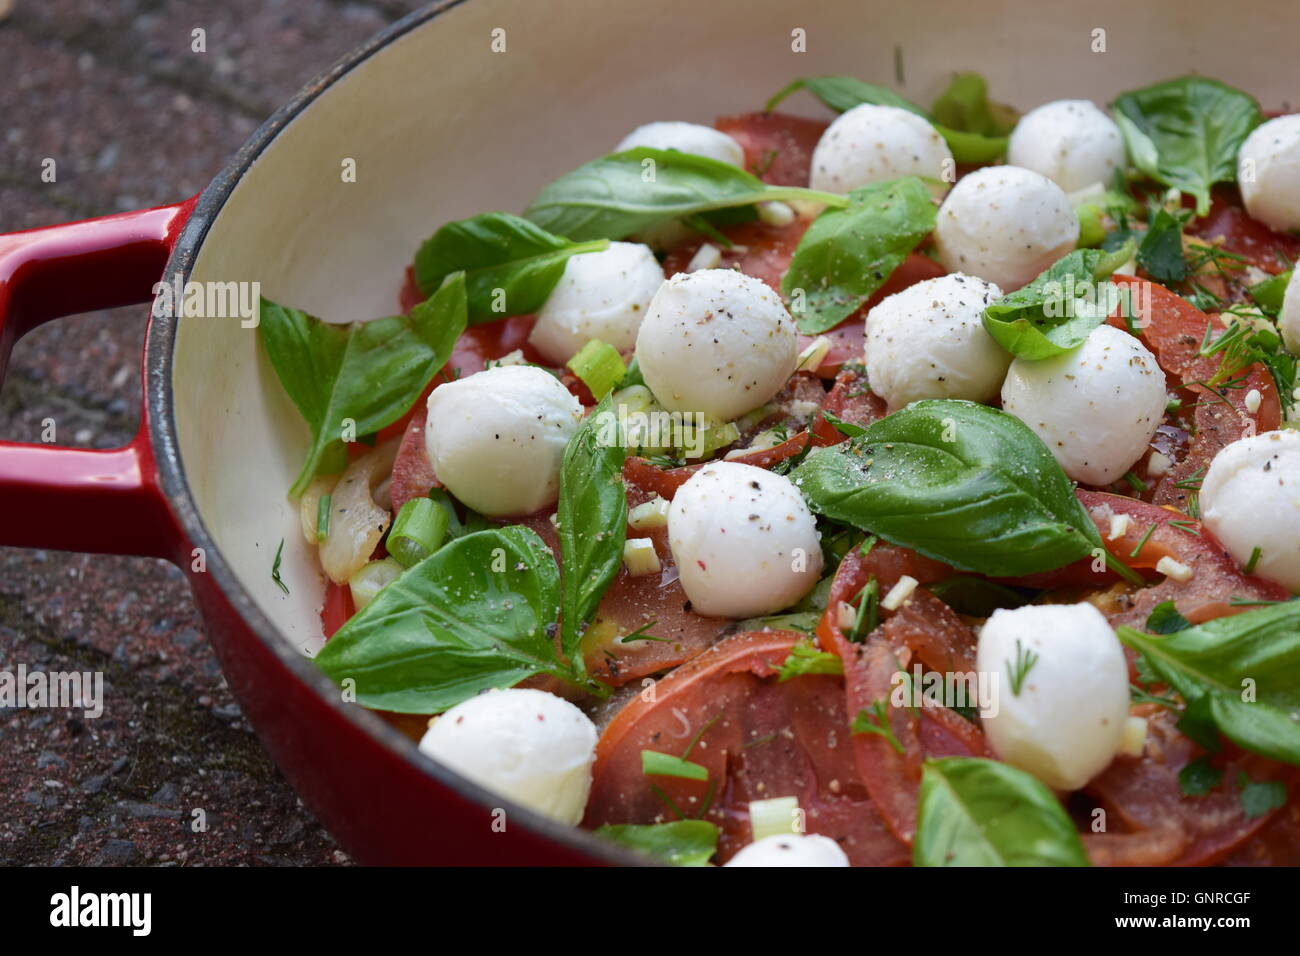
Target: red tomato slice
x=1143 y=795
x=412 y=472
x=778 y=148
x=757 y=739
x=337 y=608
x=1227 y=220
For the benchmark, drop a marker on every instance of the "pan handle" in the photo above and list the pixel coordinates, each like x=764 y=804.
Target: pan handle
x=76 y=499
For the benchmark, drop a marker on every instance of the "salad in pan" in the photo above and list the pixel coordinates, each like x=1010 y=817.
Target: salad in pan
x=921 y=486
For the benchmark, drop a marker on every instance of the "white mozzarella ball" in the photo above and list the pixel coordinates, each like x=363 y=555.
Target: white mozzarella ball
x=527 y=745
x=496 y=438
x=1250 y=498
x=1268 y=171
x=1288 y=320
x=1005 y=224
x=743 y=540
x=928 y=341
x=685 y=138
x=791 y=849
x=1095 y=407
x=872 y=144
x=602 y=295
x=717 y=342
x=1067 y=722
x=1071 y=142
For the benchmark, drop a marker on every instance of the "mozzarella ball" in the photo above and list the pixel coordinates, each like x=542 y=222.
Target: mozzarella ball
x=1071 y=142
x=602 y=295
x=1250 y=498
x=1268 y=171
x=685 y=138
x=527 y=745
x=1067 y=721
x=1095 y=407
x=496 y=439
x=872 y=144
x=717 y=342
x=1288 y=320
x=1005 y=224
x=928 y=341
x=743 y=541
x=791 y=849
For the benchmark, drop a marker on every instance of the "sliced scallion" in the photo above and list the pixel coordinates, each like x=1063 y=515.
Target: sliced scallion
x=656 y=764
x=417 y=532
x=599 y=366
x=323 y=517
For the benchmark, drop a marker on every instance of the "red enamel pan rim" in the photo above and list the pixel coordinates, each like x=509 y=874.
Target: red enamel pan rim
x=159 y=352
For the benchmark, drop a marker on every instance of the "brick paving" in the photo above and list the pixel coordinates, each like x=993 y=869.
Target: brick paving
x=114 y=93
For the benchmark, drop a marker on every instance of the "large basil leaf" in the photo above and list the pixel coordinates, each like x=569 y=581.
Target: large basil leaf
x=1217 y=666
x=1186 y=132
x=956 y=481
x=842 y=93
x=1056 y=312
x=498 y=251
x=592 y=518
x=976 y=812
x=478 y=613
x=847 y=254
x=369 y=372
x=679 y=842
x=617 y=195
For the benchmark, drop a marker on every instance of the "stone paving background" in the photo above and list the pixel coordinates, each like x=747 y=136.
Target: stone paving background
x=111 y=90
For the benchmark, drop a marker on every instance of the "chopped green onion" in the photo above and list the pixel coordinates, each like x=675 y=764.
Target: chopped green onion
x=1091 y=229
x=323 y=517
x=778 y=816
x=373 y=578
x=599 y=366
x=1136 y=483
x=656 y=764
x=417 y=532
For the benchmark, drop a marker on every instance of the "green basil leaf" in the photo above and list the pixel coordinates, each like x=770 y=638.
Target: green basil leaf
x=478 y=613
x=680 y=842
x=1058 y=310
x=497 y=251
x=592 y=517
x=847 y=254
x=804 y=658
x=617 y=195
x=1161 y=251
x=1165 y=619
x=1258 y=799
x=1185 y=133
x=977 y=812
x=965 y=106
x=979 y=597
x=956 y=481
x=1198 y=778
x=369 y=372
x=842 y=93
x=1241 y=672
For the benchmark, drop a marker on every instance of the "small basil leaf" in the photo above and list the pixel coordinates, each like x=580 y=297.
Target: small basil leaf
x=842 y=93
x=1058 y=310
x=497 y=251
x=1242 y=673
x=1198 y=778
x=804 y=658
x=478 y=613
x=1258 y=799
x=847 y=254
x=369 y=372
x=1161 y=251
x=977 y=812
x=617 y=195
x=1165 y=619
x=592 y=518
x=1186 y=132
x=965 y=106
x=956 y=481
x=680 y=842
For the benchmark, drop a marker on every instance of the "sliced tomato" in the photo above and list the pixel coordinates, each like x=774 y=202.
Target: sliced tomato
x=412 y=472
x=778 y=147
x=1228 y=221
x=338 y=607
x=1142 y=795
x=850 y=400
x=758 y=249
x=756 y=739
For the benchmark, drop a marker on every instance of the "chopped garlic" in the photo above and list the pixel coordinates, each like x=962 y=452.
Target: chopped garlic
x=899 y=593
x=640 y=557
x=775 y=213
x=811 y=358
x=649 y=515
x=1134 y=741
x=1158 y=464
x=510 y=358
x=846 y=616
x=708 y=256
x=1253 y=399
x=1118 y=527
x=1174 y=569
